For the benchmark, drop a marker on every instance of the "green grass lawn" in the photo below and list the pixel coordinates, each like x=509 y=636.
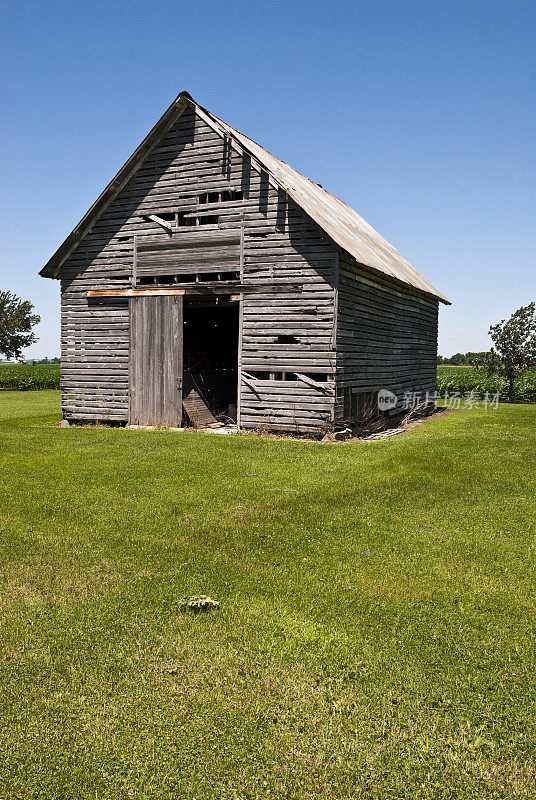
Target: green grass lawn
x=376 y=636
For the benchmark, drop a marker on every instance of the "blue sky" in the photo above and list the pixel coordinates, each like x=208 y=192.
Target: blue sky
x=420 y=115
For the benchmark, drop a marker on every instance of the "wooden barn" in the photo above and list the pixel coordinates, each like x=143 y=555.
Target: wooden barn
x=210 y=281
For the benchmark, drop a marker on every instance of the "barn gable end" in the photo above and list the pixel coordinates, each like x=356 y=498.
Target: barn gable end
x=248 y=234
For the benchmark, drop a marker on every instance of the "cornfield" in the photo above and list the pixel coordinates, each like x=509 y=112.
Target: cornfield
x=465 y=379
x=29 y=376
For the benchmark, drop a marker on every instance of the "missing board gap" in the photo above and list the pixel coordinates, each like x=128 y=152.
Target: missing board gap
x=188 y=220
x=265 y=375
x=189 y=277
x=318 y=377
x=284 y=338
x=224 y=196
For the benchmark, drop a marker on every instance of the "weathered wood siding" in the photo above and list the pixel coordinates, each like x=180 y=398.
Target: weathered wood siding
x=386 y=337
x=279 y=247
x=282 y=245
x=94 y=356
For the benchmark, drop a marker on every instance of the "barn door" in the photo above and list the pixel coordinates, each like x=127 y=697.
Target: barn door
x=156 y=360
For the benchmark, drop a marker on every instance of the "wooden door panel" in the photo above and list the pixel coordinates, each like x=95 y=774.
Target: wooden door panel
x=156 y=360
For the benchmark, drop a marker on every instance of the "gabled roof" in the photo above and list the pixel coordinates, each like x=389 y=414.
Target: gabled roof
x=341 y=223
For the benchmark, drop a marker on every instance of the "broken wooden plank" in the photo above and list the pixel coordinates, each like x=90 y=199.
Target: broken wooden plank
x=159 y=221
x=311 y=382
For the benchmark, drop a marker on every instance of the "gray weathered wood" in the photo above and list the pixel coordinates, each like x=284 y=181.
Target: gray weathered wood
x=156 y=361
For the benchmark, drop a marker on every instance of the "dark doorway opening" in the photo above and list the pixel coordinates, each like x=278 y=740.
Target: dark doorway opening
x=210 y=351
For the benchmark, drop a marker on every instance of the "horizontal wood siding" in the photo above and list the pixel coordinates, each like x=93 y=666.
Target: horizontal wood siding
x=94 y=357
x=270 y=241
x=182 y=252
x=386 y=337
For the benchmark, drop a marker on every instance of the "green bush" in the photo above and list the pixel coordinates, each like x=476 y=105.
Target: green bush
x=464 y=379
x=27 y=376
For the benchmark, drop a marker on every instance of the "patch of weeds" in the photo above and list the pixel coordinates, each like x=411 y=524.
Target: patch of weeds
x=198 y=604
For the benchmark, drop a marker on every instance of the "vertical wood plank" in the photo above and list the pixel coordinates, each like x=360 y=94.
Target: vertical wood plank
x=242 y=249
x=335 y=301
x=135 y=262
x=179 y=348
x=132 y=382
x=156 y=360
x=240 y=330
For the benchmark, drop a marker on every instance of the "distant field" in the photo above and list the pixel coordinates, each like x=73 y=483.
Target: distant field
x=466 y=379
x=29 y=376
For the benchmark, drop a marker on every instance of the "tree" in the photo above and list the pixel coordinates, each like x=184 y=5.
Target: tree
x=515 y=344
x=491 y=364
x=16 y=323
x=475 y=359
